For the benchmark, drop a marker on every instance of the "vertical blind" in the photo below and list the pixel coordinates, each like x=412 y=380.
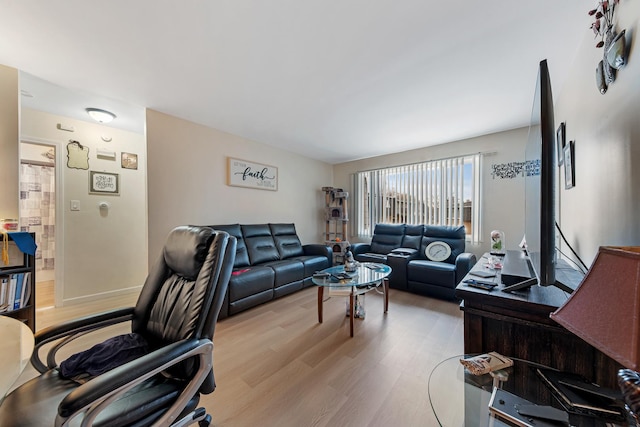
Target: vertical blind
x=438 y=192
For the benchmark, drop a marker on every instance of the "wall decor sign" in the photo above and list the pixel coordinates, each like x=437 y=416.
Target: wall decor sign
x=569 y=165
x=104 y=183
x=242 y=173
x=129 y=161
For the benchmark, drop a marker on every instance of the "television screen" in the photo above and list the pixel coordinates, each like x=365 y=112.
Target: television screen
x=540 y=169
x=540 y=185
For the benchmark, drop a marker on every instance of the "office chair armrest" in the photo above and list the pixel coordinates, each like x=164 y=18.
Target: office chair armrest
x=107 y=387
x=68 y=331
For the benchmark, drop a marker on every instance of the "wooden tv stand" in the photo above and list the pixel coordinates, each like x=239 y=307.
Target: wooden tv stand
x=517 y=323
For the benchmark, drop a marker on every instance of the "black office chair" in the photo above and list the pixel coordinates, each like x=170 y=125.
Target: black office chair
x=176 y=314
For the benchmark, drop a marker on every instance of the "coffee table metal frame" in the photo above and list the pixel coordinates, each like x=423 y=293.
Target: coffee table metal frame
x=362 y=281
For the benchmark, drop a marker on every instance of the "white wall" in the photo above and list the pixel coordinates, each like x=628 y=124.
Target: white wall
x=104 y=253
x=602 y=208
x=187 y=182
x=9 y=142
x=503 y=199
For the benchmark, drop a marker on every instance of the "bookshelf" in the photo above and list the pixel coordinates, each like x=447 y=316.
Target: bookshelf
x=21 y=265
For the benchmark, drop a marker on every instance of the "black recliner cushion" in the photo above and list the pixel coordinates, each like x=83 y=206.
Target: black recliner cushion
x=260 y=243
x=453 y=236
x=432 y=272
x=412 y=236
x=286 y=271
x=286 y=240
x=387 y=237
x=312 y=263
x=248 y=281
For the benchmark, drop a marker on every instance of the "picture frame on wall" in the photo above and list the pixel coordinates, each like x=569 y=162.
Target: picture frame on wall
x=129 y=160
x=569 y=165
x=560 y=143
x=104 y=183
x=243 y=173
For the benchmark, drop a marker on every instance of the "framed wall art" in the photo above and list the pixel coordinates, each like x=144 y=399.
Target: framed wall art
x=104 y=183
x=569 y=165
x=129 y=160
x=242 y=173
x=560 y=142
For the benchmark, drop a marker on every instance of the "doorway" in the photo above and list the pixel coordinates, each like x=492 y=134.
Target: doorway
x=38 y=213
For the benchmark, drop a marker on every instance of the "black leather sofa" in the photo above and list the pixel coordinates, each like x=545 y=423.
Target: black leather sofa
x=403 y=247
x=270 y=262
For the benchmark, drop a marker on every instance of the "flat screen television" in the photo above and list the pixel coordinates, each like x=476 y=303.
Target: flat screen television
x=540 y=185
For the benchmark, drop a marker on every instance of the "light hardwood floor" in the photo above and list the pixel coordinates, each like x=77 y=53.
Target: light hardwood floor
x=275 y=365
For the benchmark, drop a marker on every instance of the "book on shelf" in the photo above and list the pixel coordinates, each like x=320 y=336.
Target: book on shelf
x=579 y=396
x=15 y=291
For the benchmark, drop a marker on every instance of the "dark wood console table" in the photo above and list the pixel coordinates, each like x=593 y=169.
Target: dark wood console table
x=517 y=324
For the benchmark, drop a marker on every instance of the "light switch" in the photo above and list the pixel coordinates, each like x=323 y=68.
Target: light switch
x=75 y=205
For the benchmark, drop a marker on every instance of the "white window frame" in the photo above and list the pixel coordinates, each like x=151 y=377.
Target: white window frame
x=413 y=194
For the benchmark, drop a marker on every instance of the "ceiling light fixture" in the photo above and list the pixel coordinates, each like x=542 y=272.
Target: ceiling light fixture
x=99 y=115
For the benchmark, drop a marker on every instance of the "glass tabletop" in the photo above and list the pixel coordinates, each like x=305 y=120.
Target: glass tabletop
x=17 y=347
x=366 y=273
x=459 y=398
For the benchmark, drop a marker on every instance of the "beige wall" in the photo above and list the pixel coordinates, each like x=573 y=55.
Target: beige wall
x=503 y=199
x=9 y=108
x=105 y=252
x=602 y=208
x=187 y=182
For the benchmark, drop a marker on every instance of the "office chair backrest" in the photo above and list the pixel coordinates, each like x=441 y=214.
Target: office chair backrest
x=184 y=290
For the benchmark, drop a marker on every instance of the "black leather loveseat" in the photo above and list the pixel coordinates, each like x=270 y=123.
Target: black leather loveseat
x=270 y=262
x=403 y=248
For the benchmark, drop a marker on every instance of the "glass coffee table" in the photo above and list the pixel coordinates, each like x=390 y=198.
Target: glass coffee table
x=366 y=277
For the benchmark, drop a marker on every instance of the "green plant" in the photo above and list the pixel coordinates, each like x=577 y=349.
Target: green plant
x=603 y=14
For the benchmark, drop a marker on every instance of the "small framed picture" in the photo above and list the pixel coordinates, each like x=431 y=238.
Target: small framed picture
x=104 y=183
x=129 y=161
x=560 y=143
x=569 y=165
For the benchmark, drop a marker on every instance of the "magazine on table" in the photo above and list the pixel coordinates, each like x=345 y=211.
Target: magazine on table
x=485 y=363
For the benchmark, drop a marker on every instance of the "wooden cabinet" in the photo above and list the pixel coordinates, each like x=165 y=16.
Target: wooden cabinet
x=517 y=324
x=21 y=303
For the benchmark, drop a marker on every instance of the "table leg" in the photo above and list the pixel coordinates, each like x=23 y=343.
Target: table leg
x=351 y=312
x=385 y=286
x=320 y=296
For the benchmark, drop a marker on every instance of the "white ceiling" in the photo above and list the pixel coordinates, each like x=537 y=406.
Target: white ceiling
x=334 y=80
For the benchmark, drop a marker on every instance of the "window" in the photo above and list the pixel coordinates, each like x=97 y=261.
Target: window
x=439 y=192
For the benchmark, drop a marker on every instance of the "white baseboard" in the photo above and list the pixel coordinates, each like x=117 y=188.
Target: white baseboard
x=96 y=297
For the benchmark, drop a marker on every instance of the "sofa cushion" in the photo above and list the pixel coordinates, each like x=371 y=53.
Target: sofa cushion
x=247 y=281
x=453 y=236
x=387 y=237
x=260 y=244
x=432 y=272
x=312 y=263
x=286 y=239
x=412 y=236
x=286 y=271
x=242 y=257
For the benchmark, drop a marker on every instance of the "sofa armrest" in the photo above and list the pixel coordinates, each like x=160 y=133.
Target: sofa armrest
x=464 y=262
x=398 y=277
x=320 y=250
x=360 y=248
x=406 y=252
